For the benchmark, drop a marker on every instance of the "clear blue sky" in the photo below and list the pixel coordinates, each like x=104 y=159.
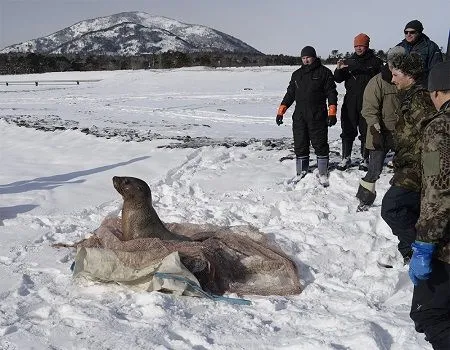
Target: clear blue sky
x=273 y=27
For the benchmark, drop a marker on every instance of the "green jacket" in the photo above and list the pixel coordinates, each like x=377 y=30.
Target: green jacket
x=433 y=224
x=380 y=102
x=415 y=107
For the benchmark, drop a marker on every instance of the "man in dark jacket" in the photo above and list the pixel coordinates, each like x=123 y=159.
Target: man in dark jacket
x=429 y=268
x=356 y=73
x=401 y=203
x=416 y=41
x=310 y=87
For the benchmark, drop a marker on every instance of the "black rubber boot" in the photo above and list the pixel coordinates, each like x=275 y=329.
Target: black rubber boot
x=366 y=195
x=364 y=164
x=322 y=167
x=346 y=155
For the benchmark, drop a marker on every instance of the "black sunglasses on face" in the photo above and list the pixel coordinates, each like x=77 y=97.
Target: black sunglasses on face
x=410 y=32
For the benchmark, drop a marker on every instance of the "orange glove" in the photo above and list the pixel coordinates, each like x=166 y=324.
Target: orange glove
x=332 y=109
x=281 y=110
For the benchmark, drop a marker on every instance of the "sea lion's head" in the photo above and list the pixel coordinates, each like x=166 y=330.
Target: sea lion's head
x=132 y=188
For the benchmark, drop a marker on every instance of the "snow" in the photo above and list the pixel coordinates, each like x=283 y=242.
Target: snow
x=57 y=187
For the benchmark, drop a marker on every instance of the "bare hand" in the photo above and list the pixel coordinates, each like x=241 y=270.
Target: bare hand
x=340 y=64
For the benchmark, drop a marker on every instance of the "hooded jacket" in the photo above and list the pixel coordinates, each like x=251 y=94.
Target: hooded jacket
x=380 y=102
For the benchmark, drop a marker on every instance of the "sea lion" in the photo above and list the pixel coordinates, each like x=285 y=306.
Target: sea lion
x=139 y=218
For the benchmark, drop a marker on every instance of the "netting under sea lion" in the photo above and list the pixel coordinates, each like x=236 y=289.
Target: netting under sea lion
x=234 y=259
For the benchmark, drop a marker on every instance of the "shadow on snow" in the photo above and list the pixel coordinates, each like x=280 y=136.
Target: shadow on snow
x=7 y=213
x=50 y=182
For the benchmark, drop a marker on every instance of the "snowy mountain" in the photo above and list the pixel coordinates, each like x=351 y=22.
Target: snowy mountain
x=132 y=33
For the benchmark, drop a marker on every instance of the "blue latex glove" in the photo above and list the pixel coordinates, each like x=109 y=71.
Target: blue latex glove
x=420 y=264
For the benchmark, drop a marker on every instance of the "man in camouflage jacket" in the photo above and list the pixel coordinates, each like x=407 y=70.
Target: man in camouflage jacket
x=401 y=203
x=430 y=263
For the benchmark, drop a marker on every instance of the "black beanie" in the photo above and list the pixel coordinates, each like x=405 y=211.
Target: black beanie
x=308 y=51
x=415 y=24
x=439 y=80
x=410 y=64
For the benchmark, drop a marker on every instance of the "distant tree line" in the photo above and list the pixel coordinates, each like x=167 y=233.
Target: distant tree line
x=16 y=63
x=335 y=55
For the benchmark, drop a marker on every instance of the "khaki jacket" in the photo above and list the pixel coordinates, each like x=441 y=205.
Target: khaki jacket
x=380 y=102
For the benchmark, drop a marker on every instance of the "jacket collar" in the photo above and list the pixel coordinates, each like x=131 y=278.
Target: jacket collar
x=311 y=66
x=367 y=55
x=407 y=94
x=421 y=38
x=386 y=74
x=445 y=107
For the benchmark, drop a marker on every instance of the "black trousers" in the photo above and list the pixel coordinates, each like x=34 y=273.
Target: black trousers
x=309 y=127
x=400 y=209
x=430 y=307
x=352 y=120
x=376 y=162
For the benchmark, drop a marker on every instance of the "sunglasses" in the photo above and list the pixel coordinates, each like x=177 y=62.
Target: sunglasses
x=410 y=32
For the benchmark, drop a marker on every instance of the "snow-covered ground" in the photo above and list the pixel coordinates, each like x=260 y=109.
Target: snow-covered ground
x=207 y=143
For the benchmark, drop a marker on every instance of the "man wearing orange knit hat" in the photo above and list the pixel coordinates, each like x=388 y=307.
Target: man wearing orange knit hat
x=355 y=71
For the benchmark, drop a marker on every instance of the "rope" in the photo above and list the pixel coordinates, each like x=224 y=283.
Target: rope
x=197 y=288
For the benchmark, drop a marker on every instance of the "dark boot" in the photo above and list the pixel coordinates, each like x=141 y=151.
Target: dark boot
x=346 y=154
x=366 y=195
x=302 y=166
x=322 y=166
x=364 y=164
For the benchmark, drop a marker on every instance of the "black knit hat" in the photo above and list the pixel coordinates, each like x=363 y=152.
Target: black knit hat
x=308 y=51
x=410 y=64
x=439 y=80
x=415 y=24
